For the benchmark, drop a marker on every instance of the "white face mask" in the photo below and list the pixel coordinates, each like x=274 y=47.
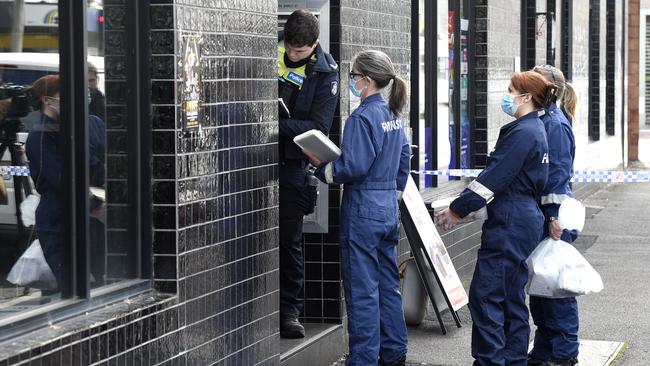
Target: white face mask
x=56 y=108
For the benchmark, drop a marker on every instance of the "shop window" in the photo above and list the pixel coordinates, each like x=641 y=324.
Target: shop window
x=70 y=162
x=446 y=107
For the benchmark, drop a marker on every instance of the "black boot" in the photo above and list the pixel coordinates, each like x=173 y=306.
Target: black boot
x=290 y=327
x=399 y=362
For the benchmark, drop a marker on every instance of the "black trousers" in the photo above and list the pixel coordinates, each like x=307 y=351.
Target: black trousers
x=295 y=203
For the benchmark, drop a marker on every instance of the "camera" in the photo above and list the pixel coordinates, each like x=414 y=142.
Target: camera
x=19 y=107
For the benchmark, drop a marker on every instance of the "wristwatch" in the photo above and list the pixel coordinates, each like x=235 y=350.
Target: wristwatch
x=552 y=218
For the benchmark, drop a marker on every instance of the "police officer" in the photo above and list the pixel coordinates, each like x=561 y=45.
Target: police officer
x=373 y=167
x=556 y=338
x=510 y=186
x=308 y=82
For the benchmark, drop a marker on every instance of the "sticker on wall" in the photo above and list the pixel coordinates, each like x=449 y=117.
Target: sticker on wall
x=191 y=86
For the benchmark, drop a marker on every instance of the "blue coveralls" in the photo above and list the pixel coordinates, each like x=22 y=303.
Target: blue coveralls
x=556 y=319
x=45 y=154
x=510 y=185
x=313 y=109
x=374 y=164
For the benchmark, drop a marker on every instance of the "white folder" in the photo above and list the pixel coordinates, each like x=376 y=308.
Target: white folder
x=316 y=142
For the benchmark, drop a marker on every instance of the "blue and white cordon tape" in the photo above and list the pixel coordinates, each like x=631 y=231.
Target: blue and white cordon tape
x=14 y=170
x=580 y=176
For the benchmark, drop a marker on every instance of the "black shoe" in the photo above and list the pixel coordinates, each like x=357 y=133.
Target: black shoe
x=560 y=362
x=290 y=327
x=399 y=362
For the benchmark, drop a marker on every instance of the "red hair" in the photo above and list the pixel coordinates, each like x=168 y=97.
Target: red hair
x=541 y=90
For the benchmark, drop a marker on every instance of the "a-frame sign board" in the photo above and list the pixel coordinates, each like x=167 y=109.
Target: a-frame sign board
x=434 y=263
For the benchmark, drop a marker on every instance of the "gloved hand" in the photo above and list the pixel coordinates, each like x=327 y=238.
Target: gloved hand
x=448 y=219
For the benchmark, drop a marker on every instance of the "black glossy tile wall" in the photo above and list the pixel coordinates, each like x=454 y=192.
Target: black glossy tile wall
x=117 y=254
x=480 y=138
x=215 y=189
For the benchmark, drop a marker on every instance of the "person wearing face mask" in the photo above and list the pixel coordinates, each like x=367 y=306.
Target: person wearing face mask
x=44 y=149
x=308 y=84
x=556 y=337
x=510 y=185
x=373 y=167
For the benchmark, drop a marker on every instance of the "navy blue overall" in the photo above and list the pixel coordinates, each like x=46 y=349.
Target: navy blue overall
x=556 y=319
x=374 y=165
x=45 y=154
x=510 y=185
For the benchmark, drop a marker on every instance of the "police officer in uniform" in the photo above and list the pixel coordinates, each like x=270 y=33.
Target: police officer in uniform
x=556 y=337
x=373 y=167
x=308 y=84
x=510 y=186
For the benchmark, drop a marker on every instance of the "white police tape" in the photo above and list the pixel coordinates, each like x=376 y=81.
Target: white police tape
x=14 y=170
x=579 y=176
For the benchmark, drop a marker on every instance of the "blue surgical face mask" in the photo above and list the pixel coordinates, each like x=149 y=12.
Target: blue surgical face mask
x=508 y=104
x=353 y=88
x=57 y=109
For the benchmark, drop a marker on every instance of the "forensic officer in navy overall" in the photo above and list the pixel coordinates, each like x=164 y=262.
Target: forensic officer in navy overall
x=373 y=168
x=308 y=84
x=556 y=337
x=510 y=185
x=44 y=149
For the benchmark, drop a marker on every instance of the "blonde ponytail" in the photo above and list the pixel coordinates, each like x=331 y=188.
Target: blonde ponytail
x=570 y=100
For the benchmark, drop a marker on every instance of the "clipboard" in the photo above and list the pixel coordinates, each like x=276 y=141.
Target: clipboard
x=319 y=144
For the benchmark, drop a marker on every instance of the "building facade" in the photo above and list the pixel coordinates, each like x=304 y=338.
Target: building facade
x=187 y=270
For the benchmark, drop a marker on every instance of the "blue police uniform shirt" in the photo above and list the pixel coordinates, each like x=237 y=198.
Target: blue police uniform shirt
x=375 y=151
x=561 y=151
x=518 y=167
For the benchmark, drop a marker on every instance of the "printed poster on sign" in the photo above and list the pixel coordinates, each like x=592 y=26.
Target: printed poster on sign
x=191 y=83
x=435 y=248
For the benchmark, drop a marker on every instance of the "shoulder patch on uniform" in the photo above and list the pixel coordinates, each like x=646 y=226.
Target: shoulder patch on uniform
x=335 y=87
x=331 y=61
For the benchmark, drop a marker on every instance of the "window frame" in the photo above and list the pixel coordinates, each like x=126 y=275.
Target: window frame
x=77 y=296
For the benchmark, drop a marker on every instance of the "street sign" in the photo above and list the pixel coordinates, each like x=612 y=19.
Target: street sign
x=434 y=263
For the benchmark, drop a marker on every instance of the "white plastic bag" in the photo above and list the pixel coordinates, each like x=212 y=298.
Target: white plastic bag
x=557 y=270
x=571 y=214
x=31 y=267
x=28 y=209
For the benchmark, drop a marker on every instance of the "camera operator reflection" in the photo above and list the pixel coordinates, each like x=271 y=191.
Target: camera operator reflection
x=45 y=153
x=97 y=104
